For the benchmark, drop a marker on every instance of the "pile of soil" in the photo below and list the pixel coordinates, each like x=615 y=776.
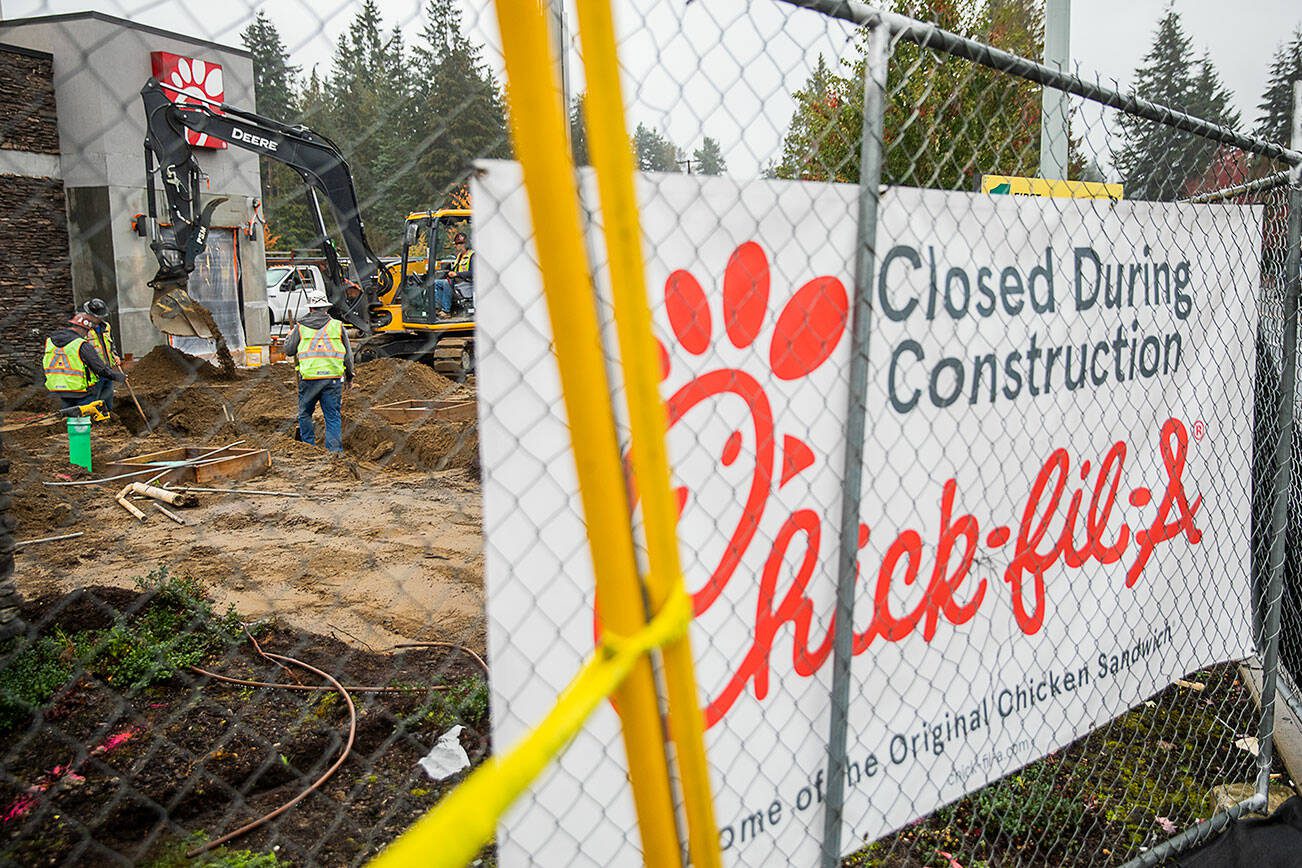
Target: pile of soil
x=189 y=399
x=387 y=380
x=168 y=365
x=107 y=775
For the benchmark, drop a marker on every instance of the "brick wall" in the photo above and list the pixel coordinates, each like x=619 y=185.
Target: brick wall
x=35 y=273
x=28 y=121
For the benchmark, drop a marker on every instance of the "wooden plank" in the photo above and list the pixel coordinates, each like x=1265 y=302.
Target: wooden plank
x=402 y=412
x=1288 y=724
x=232 y=465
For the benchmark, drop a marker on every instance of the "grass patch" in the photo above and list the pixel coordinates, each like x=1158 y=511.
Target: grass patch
x=464 y=702
x=175 y=627
x=1109 y=795
x=173 y=856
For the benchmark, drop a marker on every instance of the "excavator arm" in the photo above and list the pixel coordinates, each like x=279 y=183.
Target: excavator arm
x=316 y=159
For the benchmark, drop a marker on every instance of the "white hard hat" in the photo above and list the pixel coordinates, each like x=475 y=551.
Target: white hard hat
x=317 y=298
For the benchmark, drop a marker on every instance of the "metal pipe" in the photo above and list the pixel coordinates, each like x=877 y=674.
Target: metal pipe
x=1055 y=112
x=45 y=539
x=930 y=36
x=1270 y=182
x=870 y=174
x=167 y=512
x=191 y=462
x=1284 y=467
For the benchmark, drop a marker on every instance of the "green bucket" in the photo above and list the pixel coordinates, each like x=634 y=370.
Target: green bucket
x=79 y=441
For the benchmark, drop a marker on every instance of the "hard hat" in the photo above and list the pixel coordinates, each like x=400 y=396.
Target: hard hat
x=317 y=298
x=81 y=321
x=96 y=308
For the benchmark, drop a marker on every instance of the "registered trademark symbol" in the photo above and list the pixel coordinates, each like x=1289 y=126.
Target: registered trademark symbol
x=1199 y=429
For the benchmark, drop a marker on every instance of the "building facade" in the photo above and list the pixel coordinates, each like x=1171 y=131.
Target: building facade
x=72 y=163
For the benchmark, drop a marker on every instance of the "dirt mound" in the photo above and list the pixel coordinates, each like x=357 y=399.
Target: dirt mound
x=422 y=446
x=186 y=398
x=386 y=380
x=168 y=367
x=24 y=392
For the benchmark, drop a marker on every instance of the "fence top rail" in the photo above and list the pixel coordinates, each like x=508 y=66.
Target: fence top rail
x=1270 y=182
x=931 y=36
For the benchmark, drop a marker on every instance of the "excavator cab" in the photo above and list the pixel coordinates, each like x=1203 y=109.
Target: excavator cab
x=427 y=253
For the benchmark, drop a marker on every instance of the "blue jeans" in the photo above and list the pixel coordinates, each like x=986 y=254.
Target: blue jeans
x=443 y=295
x=329 y=394
x=103 y=391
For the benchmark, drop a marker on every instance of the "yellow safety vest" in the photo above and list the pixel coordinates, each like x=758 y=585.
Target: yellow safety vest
x=321 y=351
x=104 y=344
x=463 y=262
x=64 y=369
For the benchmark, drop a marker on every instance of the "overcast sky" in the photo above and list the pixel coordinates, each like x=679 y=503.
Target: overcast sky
x=727 y=69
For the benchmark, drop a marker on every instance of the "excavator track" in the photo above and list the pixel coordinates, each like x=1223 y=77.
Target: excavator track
x=452 y=356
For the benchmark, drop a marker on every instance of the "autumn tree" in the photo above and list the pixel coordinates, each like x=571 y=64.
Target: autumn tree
x=947 y=121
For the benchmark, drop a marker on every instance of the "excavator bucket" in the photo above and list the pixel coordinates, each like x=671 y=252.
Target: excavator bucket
x=174 y=312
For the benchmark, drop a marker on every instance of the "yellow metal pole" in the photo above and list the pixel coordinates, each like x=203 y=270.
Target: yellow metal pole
x=612 y=158
x=538 y=126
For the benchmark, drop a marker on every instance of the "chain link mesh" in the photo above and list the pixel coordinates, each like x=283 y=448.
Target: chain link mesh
x=165 y=682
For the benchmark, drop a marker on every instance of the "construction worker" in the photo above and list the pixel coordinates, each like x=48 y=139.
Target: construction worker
x=101 y=337
x=75 y=372
x=325 y=367
x=458 y=281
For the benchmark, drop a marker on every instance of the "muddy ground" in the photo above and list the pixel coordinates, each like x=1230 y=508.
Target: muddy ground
x=385 y=548
x=107 y=775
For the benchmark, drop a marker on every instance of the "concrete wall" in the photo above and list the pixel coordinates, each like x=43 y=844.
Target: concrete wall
x=35 y=283
x=100 y=64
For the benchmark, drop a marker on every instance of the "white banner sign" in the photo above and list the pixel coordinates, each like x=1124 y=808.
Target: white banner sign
x=1055 y=490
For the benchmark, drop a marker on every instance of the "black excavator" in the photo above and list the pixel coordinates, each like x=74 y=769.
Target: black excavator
x=317 y=160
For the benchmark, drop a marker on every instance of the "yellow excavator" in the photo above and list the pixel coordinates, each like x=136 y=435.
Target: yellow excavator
x=392 y=308
x=405 y=323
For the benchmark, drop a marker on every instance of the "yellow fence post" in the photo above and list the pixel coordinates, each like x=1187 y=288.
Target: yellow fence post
x=612 y=158
x=538 y=126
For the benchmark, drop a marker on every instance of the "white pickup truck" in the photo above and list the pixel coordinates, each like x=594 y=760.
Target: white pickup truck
x=287 y=288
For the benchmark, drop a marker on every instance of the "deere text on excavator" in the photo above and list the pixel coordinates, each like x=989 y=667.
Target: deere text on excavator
x=392 y=308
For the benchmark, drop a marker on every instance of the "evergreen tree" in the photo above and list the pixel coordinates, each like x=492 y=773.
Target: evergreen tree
x=367 y=112
x=709 y=158
x=459 y=107
x=1276 y=104
x=654 y=151
x=274 y=77
x=1156 y=161
x=275 y=82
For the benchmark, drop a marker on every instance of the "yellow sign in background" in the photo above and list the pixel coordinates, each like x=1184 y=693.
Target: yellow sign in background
x=1009 y=185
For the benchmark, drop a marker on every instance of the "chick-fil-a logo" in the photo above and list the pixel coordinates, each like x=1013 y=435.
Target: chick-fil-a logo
x=1070 y=517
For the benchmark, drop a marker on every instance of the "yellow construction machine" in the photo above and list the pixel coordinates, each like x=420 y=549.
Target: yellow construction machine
x=405 y=323
x=391 y=307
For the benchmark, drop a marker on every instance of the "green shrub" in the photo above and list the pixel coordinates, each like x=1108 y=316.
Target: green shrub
x=30 y=677
x=464 y=702
x=175 y=627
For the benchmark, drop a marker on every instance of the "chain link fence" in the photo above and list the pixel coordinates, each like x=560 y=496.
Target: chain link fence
x=985 y=487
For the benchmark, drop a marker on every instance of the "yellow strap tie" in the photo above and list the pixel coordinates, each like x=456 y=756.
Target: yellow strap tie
x=670 y=623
